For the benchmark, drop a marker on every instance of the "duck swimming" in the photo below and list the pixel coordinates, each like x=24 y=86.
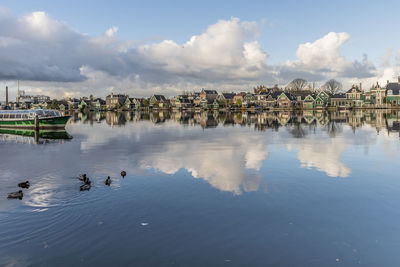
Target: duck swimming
x=87 y=181
x=24 y=184
x=108 y=181
x=18 y=194
x=123 y=174
x=82 y=177
x=84 y=187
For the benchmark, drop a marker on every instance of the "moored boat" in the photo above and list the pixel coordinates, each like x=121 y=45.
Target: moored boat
x=33 y=118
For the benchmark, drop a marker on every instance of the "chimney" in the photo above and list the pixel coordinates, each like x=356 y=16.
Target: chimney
x=398 y=79
x=6 y=96
x=360 y=86
x=387 y=82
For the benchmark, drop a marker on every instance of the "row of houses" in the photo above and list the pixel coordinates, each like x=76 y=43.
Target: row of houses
x=270 y=98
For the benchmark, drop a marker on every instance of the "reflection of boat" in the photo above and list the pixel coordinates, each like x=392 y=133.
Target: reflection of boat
x=41 y=134
x=33 y=135
x=32 y=119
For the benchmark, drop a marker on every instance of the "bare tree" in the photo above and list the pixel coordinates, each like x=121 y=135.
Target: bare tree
x=260 y=89
x=297 y=84
x=332 y=86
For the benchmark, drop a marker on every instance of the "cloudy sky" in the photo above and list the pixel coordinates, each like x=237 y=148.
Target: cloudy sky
x=69 y=48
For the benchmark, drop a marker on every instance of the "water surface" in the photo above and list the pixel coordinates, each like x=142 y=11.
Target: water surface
x=206 y=189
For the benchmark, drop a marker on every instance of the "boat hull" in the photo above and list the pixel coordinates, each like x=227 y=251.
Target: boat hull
x=44 y=123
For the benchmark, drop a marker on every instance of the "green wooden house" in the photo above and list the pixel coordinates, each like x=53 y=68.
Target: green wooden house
x=309 y=102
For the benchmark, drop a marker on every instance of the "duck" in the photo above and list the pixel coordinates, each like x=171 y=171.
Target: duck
x=18 y=194
x=24 y=184
x=82 y=177
x=87 y=181
x=108 y=180
x=123 y=174
x=84 y=187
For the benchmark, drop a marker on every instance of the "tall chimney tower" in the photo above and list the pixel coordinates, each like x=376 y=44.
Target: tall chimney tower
x=360 y=86
x=6 y=96
x=398 y=79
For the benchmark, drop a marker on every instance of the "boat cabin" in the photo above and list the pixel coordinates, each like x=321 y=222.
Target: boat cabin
x=28 y=114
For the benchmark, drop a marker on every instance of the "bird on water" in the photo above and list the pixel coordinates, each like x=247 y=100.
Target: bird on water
x=18 y=194
x=84 y=187
x=123 y=174
x=24 y=184
x=108 y=180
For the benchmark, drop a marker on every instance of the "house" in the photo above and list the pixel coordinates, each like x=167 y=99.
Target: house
x=208 y=94
x=239 y=97
x=379 y=94
x=138 y=103
x=207 y=103
x=73 y=103
x=393 y=93
x=62 y=105
x=322 y=100
x=369 y=99
x=285 y=100
x=98 y=104
x=225 y=99
x=115 y=101
x=339 y=100
x=271 y=100
x=183 y=103
x=300 y=96
x=308 y=102
x=248 y=100
x=157 y=101
x=84 y=104
x=355 y=96
x=128 y=105
x=260 y=98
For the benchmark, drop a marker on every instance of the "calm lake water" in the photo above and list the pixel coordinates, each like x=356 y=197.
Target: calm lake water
x=209 y=189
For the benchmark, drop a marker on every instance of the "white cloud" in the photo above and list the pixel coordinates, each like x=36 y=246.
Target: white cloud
x=322 y=59
x=111 y=31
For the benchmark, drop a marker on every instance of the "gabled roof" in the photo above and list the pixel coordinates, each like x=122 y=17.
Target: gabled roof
x=395 y=87
x=358 y=90
x=339 y=95
x=289 y=96
x=159 y=97
x=228 y=95
x=275 y=94
x=302 y=93
x=311 y=96
x=185 y=100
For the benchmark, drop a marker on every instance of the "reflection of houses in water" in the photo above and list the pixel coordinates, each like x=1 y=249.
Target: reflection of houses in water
x=115 y=118
x=355 y=119
x=393 y=121
x=308 y=117
x=379 y=119
x=207 y=120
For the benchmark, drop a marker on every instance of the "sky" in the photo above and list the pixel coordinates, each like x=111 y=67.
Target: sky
x=76 y=48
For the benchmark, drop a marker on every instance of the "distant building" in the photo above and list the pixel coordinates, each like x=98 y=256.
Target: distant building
x=393 y=93
x=379 y=94
x=157 y=101
x=339 y=100
x=208 y=94
x=355 y=96
x=115 y=101
x=35 y=99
